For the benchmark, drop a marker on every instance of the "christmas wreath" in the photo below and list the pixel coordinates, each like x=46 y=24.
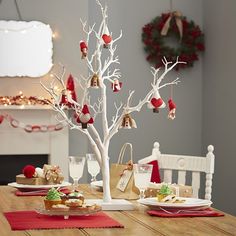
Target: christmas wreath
x=176 y=27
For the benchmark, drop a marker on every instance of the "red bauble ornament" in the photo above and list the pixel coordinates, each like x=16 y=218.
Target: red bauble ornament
x=28 y=171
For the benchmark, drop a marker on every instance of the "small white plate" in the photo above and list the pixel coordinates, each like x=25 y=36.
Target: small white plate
x=26 y=186
x=189 y=203
x=97 y=184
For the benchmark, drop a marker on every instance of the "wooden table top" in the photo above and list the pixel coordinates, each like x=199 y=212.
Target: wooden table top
x=136 y=222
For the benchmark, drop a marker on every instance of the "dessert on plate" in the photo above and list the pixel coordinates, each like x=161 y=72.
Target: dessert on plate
x=52 y=198
x=166 y=195
x=73 y=202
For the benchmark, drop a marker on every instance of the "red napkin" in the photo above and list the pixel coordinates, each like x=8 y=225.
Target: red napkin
x=155 y=178
x=184 y=213
x=27 y=220
x=38 y=192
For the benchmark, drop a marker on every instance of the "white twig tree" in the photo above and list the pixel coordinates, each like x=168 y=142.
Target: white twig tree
x=100 y=67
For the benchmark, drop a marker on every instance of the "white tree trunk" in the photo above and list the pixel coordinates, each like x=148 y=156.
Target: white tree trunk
x=106 y=177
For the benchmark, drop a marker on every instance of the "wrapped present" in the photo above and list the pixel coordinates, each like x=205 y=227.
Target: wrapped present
x=178 y=189
x=21 y=179
x=52 y=174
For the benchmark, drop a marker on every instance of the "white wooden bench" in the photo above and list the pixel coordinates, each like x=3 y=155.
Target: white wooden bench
x=182 y=164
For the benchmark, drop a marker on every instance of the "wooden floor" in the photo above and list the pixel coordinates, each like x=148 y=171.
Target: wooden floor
x=136 y=222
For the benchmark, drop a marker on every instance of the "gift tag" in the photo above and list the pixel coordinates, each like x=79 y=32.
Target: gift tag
x=124 y=180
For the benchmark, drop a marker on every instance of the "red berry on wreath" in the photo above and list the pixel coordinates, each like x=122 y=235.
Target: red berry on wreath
x=28 y=171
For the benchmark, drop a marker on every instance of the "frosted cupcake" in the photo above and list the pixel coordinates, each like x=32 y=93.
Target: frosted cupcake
x=53 y=198
x=164 y=192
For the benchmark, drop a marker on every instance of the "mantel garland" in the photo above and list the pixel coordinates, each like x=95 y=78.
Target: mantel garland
x=191 y=40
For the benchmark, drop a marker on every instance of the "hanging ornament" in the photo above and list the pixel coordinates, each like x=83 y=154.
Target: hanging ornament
x=94 y=82
x=85 y=117
x=64 y=100
x=1 y=119
x=156 y=102
x=106 y=37
x=83 y=49
x=128 y=122
x=70 y=90
x=116 y=85
x=172 y=109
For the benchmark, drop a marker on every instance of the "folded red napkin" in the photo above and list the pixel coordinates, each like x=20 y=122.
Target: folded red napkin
x=27 y=220
x=38 y=192
x=184 y=213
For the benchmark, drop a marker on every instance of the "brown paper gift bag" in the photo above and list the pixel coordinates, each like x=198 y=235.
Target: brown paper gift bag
x=120 y=170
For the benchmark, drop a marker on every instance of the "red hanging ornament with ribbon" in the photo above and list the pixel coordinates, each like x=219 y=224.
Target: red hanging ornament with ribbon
x=156 y=102
x=116 y=85
x=85 y=117
x=106 y=37
x=172 y=109
x=1 y=119
x=83 y=49
x=70 y=87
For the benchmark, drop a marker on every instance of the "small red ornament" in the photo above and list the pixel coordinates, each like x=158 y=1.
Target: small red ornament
x=83 y=49
x=70 y=85
x=156 y=102
x=1 y=119
x=172 y=109
x=29 y=171
x=116 y=85
x=85 y=118
x=106 y=37
x=69 y=92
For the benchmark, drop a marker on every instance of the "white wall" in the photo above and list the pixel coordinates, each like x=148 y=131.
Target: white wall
x=219 y=97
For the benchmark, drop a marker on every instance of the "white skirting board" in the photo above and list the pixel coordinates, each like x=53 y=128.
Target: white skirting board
x=114 y=205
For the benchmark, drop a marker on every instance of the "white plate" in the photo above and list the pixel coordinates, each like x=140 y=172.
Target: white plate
x=97 y=184
x=26 y=186
x=189 y=203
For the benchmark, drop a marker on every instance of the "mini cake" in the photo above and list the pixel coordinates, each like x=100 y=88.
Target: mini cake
x=74 y=203
x=60 y=207
x=73 y=195
x=164 y=192
x=52 y=198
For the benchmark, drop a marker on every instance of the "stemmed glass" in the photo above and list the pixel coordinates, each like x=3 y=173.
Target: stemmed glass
x=93 y=166
x=76 y=167
x=142 y=177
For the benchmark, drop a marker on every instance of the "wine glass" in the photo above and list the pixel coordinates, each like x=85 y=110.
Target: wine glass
x=93 y=166
x=142 y=177
x=76 y=168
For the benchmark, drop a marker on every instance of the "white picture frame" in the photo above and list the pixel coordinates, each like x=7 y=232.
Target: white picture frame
x=26 y=48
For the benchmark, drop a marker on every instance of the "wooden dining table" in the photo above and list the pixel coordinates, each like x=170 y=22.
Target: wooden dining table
x=136 y=222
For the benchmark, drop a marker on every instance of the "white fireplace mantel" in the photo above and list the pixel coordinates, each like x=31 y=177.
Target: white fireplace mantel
x=17 y=141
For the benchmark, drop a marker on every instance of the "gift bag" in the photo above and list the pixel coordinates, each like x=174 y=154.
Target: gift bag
x=122 y=177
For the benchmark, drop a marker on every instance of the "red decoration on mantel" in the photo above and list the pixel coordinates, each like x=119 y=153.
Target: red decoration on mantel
x=31 y=128
x=29 y=171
